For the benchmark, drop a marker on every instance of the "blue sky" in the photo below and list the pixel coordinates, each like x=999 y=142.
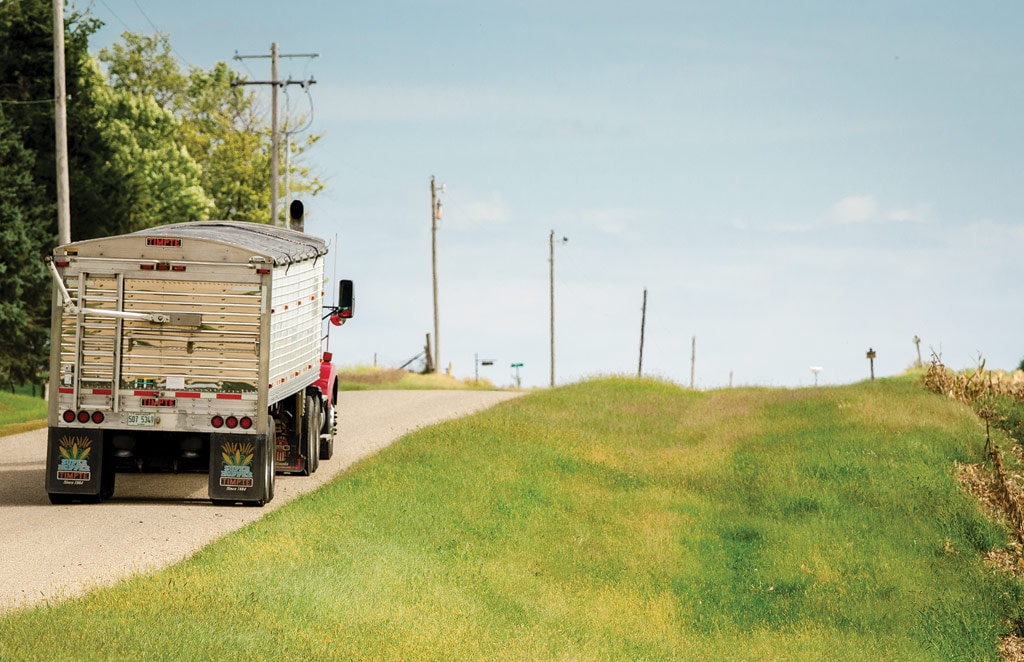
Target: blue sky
x=793 y=182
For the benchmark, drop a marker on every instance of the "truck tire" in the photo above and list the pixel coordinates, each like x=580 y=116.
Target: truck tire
x=327 y=434
x=271 y=467
x=311 y=436
x=108 y=473
x=269 y=472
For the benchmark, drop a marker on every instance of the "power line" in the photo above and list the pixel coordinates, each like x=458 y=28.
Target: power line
x=129 y=28
x=14 y=102
x=274 y=84
x=114 y=14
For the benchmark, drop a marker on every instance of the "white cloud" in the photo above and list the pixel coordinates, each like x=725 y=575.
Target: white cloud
x=854 y=209
x=614 y=221
x=917 y=214
x=862 y=208
x=465 y=210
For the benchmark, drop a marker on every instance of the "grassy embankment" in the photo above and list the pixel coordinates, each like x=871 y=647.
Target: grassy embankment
x=20 y=413
x=615 y=519
x=366 y=378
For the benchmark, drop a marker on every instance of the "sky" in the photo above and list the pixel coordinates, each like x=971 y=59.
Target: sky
x=792 y=182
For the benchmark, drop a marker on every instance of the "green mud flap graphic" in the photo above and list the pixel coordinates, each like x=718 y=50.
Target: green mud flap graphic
x=74 y=463
x=238 y=468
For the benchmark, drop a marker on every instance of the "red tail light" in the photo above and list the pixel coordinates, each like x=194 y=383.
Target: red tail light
x=68 y=416
x=217 y=421
x=231 y=422
x=246 y=422
x=83 y=416
x=97 y=417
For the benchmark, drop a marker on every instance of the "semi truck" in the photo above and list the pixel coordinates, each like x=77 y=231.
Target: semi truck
x=191 y=347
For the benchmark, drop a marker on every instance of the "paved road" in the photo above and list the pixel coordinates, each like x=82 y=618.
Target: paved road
x=50 y=552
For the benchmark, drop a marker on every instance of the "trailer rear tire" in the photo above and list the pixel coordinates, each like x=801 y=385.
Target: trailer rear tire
x=269 y=471
x=327 y=434
x=108 y=474
x=311 y=437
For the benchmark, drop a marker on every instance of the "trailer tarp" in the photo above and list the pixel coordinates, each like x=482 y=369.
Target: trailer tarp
x=285 y=246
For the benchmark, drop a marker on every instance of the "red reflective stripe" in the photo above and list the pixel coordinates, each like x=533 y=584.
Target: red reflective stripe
x=229 y=396
x=101 y=391
x=185 y=394
x=64 y=389
x=145 y=393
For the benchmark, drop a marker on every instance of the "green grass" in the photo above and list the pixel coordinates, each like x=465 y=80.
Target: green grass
x=614 y=519
x=19 y=413
x=364 y=378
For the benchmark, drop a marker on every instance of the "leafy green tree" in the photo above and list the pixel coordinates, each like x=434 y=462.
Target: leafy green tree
x=147 y=144
x=232 y=141
x=25 y=218
x=160 y=182
x=28 y=224
x=26 y=72
x=145 y=66
x=222 y=125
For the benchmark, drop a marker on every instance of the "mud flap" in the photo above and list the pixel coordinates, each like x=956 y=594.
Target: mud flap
x=288 y=451
x=238 y=467
x=74 y=463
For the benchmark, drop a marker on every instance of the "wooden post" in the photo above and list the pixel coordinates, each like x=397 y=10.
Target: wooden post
x=436 y=359
x=693 y=361
x=643 y=320
x=871 y=357
x=551 y=283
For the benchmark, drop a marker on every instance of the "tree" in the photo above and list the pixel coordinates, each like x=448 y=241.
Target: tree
x=230 y=139
x=147 y=144
x=160 y=181
x=221 y=124
x=24 y=282
x=28 y=224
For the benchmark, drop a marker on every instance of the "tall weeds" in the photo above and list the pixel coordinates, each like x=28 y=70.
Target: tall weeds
x=998 y=399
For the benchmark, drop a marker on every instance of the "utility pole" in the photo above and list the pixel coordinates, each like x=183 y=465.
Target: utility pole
x=643 y=320
x=275 y=132
x=435 y=216
x=275 y=138
x=60 y=116
x=551 y=260
x=693 y=361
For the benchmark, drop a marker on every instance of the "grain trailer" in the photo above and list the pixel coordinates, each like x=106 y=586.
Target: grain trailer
x=191 y=347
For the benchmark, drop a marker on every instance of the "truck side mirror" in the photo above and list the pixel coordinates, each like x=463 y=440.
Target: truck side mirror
x=346 y=299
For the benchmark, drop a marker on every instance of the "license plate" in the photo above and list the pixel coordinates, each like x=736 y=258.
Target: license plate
x=141 y=419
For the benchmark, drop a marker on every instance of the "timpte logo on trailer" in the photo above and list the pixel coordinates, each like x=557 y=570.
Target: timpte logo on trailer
x=73 y=467
x=236 y=474
x=164 y=242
